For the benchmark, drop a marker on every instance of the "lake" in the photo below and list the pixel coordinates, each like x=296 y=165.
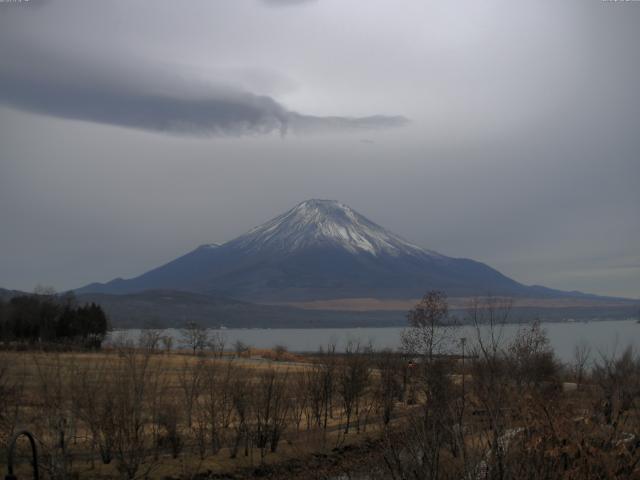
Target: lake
x=604 y=337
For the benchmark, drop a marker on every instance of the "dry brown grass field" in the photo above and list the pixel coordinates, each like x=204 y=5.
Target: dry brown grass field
x=191 y=413
x=504 y=411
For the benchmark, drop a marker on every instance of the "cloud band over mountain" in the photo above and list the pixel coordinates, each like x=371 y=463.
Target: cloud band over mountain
x=160 y=100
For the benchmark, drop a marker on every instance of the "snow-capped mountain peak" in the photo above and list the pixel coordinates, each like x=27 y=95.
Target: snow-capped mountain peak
x=322 y=223
x=319 y=250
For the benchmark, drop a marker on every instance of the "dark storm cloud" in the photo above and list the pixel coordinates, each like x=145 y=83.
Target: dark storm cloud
x=224 y=112
x=157 y=100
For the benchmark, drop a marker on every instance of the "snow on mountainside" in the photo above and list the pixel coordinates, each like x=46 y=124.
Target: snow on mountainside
x=321 y=223
x=321 y=249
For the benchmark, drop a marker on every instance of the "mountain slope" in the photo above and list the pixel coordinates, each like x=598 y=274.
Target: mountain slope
x=321 y=249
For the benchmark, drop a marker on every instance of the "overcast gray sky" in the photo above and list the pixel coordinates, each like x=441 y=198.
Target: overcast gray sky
x=507 y=132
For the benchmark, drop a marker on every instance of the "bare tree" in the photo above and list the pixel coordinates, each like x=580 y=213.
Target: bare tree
x=531 y=356
x=57 y=415
x=150 y=339
x=168 y=420
x=217 y=342
x=131 y=395
x=299 y=399
x=388 y=389
x=270 y=409
x=241 y=348
x=315 y=383
x=581 y=358
x=194 y=336
x=429 y=331
x=280 y=351
x=490 y=374
x=190 y=379
x=91 y=395
x=242 y=404
x=225 y=402
x=353 y=378
x=619 y=380
x=416 y=448
x=11 y=393
x=167 y=343
x=327 y=378
x=214 y=402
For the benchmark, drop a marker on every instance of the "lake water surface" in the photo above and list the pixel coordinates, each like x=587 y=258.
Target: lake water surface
x=604 y=337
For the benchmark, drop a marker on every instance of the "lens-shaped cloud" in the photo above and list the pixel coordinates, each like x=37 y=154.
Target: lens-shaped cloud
x=156 y=98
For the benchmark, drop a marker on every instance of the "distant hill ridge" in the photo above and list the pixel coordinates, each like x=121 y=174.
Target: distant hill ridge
x=171 y=308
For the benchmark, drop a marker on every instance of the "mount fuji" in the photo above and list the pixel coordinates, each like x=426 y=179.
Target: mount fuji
x=320 y=250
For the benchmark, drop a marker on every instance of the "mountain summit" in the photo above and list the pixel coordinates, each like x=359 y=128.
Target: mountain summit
x=324 y=223
x=321 y=249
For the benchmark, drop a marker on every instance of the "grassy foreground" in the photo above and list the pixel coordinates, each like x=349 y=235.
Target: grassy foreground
x=502 y=411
